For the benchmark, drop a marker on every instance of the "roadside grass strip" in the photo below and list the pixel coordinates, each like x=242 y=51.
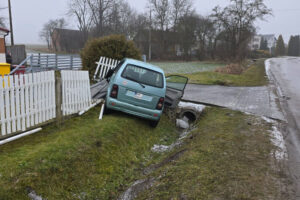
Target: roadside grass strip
x=187 y=67
x=255 y=75
x=228 y=156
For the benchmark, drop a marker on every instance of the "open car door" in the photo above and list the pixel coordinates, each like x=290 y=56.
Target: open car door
x=175 y=89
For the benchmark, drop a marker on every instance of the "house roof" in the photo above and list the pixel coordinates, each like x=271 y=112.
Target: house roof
x=4 y=29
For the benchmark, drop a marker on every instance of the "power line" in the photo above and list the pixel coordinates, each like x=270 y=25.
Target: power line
x=287 y=10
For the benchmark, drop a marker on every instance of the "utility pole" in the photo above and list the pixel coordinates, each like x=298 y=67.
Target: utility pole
x=11 y=25
x=150 y=45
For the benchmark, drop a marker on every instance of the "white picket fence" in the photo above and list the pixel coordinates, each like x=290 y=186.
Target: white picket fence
x=29 y=100
x=103 y=66
x=26 y=101
x=76 y=91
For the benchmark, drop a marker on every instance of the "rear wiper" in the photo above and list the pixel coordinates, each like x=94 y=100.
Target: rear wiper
x=135 y=81
x=141 y=85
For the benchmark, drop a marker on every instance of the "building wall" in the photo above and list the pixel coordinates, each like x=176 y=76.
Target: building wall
x=2 y=49
x=255 y=42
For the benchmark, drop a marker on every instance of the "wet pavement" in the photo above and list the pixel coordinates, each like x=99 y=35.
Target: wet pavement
x=285 y=73
x=255 y=100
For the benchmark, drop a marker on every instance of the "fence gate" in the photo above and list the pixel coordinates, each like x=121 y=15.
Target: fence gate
x=76 y=93
x=26 y=101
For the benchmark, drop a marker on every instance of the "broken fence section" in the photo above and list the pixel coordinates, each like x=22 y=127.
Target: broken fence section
x=103 y=66
x=76 y=93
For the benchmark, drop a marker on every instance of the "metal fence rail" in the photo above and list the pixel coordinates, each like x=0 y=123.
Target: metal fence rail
x=41 y=62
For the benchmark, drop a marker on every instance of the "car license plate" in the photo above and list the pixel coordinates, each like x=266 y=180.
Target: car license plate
x=138 y=96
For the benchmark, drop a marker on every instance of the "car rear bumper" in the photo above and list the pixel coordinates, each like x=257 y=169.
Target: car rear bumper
x=146 y=113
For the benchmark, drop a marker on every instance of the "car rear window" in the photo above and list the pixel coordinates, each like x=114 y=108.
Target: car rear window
x=143 y=76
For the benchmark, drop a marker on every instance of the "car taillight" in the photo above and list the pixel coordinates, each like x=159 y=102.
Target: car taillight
x=114 y=91
x=160 y=103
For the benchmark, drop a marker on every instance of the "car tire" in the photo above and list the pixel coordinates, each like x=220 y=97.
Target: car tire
x=107 y=111
x=154 y=124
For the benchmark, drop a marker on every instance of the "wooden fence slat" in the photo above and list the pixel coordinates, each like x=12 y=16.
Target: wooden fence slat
x=27 y=103
x=35 y=90
x=7 y=104
x=2 y=114
x=43 y=99
x=22 y=100
x=31 y=102
x=18 y=106
x=12 y=102
x=53 y=95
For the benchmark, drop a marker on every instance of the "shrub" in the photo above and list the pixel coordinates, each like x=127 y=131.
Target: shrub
x=232 y=68
x=256 y=54
x=113 y=46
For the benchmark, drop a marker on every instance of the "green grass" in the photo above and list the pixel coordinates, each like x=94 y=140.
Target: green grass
x=255 y=75
x=85 y=157
x=187 y=67
x=227 y=157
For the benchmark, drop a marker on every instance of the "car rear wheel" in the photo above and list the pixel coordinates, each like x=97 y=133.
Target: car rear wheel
x=107 y=111
x=154 y=123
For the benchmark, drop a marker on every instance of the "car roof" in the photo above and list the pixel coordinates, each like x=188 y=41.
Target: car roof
x=144 y=64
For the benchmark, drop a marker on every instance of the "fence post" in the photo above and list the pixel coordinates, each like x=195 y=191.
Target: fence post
x=56 y=62
x=31 y=62
x=58 y=98
x=39 y=60
x=47 y=61
x=71 y=60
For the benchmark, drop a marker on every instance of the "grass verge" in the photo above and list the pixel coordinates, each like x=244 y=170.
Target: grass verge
x=84 y=159
x=187 y=67
x=255 y=75
x=228 y=156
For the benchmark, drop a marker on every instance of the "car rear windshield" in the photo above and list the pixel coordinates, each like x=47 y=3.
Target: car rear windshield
x=143 y=76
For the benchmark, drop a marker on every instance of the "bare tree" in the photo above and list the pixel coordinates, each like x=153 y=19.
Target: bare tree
x=100 y=11
x=206 y=31
x=81 y=11
x=180 y=8
x=186 y=30
x=237 y=21
x=46 y=33
x=161 y=10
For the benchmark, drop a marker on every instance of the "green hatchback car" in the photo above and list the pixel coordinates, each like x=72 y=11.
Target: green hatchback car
x=139 y=88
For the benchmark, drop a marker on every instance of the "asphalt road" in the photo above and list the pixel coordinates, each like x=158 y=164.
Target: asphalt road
x=286 y=74
x=259 y=101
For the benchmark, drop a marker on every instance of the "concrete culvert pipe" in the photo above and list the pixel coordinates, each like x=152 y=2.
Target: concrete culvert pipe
x=190 y=114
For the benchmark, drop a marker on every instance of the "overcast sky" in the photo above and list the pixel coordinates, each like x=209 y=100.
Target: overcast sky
x=30 y=15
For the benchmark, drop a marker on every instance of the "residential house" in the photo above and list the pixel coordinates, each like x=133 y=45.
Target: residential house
x=256 y=41
x=271 y=40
